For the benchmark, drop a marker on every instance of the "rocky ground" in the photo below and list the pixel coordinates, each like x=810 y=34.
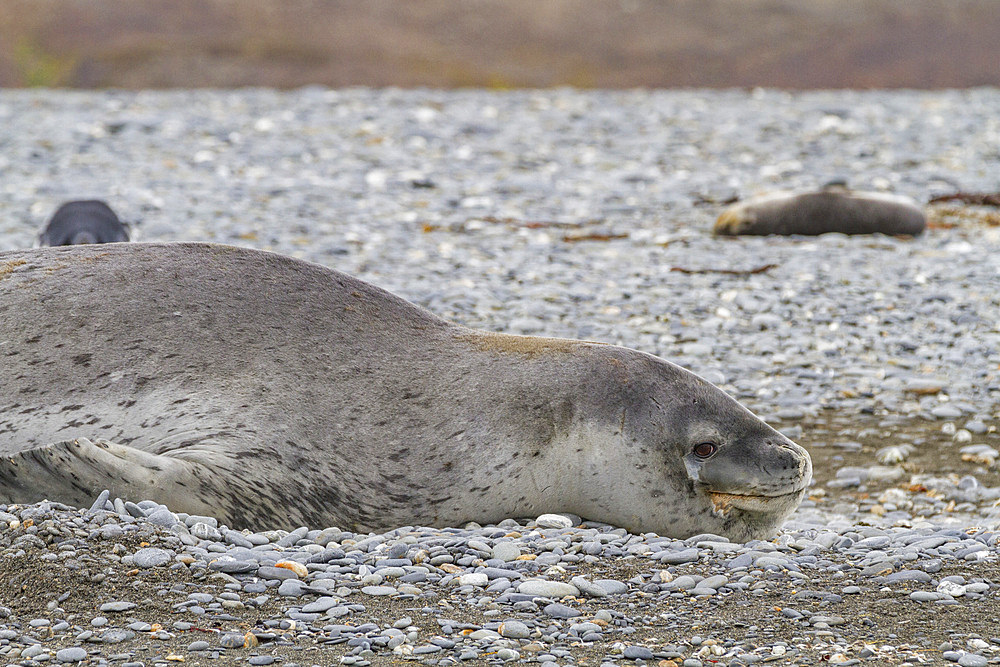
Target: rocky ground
x=571 y=214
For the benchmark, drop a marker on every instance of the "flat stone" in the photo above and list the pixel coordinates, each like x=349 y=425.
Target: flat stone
x=506 y=551
x=473 y=579
x=554 y=521
x=638 y=653
x=151 y=557
x=514 y=630
x=72 y=654
x=678 y=557
x=558 y=610
x=548 y=589
x=589 y=588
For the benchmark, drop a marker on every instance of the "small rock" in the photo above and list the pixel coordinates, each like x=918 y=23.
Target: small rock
x=506 y=551
x=554 y=521
x=72 y=654
x=588 y=587
x=514 y=630
x=548 y=589
x=557 y=610
x=151 y=557
x=473 y=579
x=638 y=653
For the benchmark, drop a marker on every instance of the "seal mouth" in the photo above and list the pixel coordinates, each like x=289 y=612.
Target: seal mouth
x=724 y=502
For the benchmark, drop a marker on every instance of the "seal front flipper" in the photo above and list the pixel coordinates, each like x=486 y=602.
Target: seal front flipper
x=75 y=471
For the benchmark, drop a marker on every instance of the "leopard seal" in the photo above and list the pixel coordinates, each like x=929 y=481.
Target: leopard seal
x=268 y=391
x=83 y=221
x=833 y=208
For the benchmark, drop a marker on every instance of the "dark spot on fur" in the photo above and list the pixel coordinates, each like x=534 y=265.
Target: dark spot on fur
x=83 y=360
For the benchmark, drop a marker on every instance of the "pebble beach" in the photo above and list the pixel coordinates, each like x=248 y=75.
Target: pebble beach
x=579 y=214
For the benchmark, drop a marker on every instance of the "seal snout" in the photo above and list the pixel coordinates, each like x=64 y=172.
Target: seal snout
x=762 y=473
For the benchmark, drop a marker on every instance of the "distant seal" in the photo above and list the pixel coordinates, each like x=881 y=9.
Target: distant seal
x=83 y=221
x=268 y=391
x=834 y=208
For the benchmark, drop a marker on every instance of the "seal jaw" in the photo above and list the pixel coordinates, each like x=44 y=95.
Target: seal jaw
x=783 y=504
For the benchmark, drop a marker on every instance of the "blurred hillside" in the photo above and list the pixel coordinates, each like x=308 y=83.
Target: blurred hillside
x=500 y=43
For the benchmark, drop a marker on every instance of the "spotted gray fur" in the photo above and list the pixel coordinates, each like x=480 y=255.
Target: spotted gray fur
x=268 y=391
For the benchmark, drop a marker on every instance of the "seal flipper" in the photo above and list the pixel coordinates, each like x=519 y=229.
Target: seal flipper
x=75 y=471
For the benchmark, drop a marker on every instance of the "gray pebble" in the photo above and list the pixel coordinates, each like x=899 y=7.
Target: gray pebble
x=589 y=588
x=638 y=653
x=514 y=630
x=151 y=557
x=73 y=654
x=544 y=588
x=559 y=610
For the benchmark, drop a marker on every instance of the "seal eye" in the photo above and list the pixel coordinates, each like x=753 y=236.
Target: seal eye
x=705 y=449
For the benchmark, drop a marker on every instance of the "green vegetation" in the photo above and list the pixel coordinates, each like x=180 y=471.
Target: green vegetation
x=38 y=69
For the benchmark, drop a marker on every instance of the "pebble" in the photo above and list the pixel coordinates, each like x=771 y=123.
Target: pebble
x=473 y=579
x=588 y=587
x=514 y=630
x=72 y=654
x=559 y=610
x=546 y=588
x=506 y=551
x=554 y=521
x=151 y=557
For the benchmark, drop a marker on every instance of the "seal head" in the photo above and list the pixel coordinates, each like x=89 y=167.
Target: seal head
x=83 y=221
x=700 y=461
